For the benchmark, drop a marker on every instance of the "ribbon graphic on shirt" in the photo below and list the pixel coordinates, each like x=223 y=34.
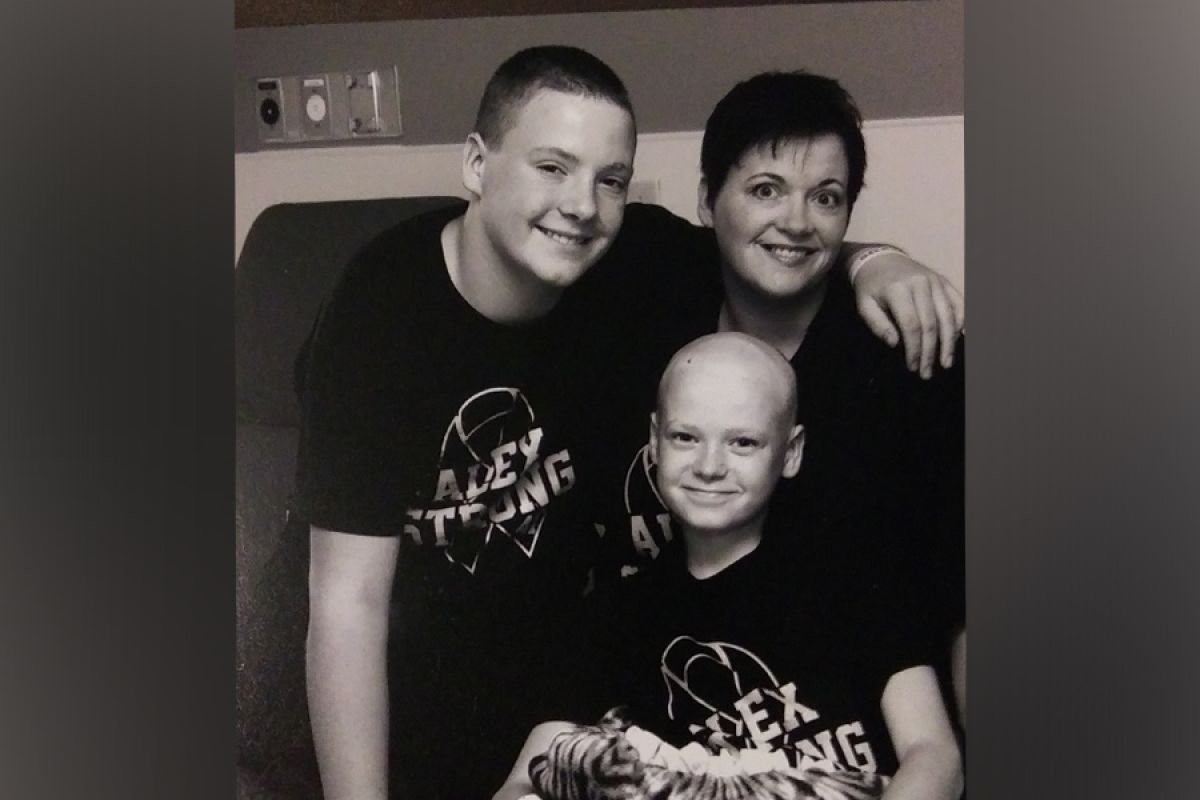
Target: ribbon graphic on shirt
x=731 y=700
x=649 y=520
x=492 y=479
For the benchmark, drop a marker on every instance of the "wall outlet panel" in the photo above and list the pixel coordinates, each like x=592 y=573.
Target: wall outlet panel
x=333 y=106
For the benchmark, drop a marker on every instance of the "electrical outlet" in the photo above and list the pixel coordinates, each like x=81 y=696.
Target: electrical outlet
x=314 y=94
x=269 y=109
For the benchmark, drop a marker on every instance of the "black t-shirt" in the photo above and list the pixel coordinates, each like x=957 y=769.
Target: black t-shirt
x=471 y=442
x=772 y=652
x=426 y=421
x=883 y=475
x=882 y=472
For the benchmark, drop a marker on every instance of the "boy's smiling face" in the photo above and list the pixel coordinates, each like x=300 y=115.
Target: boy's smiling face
x=552 y=189
x=723 y=435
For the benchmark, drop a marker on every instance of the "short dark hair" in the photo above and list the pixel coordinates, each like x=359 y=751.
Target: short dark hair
x=773 y=108
x=556 y=67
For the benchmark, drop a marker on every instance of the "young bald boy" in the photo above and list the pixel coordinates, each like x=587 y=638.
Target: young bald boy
x=737 y=641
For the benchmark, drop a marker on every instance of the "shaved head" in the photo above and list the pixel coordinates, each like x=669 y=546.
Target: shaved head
x=724 y=434
x=740 y=358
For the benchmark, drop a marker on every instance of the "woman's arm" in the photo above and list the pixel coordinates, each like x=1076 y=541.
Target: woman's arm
x=930 y=764
x=901 y=299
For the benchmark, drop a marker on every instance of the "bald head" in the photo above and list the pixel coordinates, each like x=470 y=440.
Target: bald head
x=737 y=360
x=724 y=433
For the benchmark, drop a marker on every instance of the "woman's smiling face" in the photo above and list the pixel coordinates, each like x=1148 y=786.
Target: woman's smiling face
x=781 y=215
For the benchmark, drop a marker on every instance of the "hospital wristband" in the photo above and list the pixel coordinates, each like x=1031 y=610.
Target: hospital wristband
x=866 y=254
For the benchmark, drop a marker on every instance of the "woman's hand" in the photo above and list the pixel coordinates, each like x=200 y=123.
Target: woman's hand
x=899 y=298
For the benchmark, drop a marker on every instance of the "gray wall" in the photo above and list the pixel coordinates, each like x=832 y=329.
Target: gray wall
x=898 y=59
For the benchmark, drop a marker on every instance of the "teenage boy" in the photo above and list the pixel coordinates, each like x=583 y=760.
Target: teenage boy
x=446 y=394
x=744 y=642
x=440 y=404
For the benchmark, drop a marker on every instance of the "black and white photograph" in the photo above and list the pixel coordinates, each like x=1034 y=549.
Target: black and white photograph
x=600 y=397
x=602 y=421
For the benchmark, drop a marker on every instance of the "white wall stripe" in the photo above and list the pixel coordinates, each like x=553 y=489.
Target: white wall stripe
x=914 y=197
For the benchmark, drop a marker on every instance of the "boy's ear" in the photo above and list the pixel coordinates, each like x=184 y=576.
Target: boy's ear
x=703 y=212
x=653 y=437
x=794 y=453
x=474 y=156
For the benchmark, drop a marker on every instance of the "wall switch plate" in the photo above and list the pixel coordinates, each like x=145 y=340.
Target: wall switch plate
x=269 y=109
x=373 y=102
x=363 y=90
x=317 y=113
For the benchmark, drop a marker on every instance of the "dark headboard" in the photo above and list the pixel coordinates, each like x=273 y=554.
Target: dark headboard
x=292 y=256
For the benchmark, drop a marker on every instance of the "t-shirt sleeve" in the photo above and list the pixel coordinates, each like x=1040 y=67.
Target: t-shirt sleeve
x=351 y=469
